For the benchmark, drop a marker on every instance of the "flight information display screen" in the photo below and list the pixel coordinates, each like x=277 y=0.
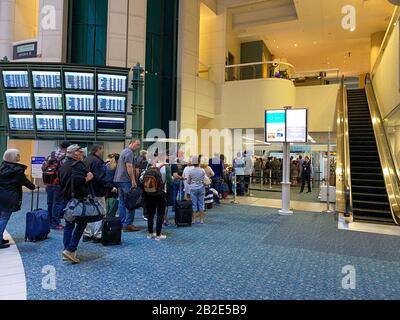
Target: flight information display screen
x=18 y=101
x=111 y=104
x=47 y=101
x=46 y=79
x=79 y=102
x=21 y=122
x=79 y=81
x=110 y=125
x=112 y=83
x=15 y=79
x=80 y=124
x=49 y=123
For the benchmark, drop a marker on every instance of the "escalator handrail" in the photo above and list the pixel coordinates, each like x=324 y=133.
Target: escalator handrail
x=392 y=181
x=344 y=203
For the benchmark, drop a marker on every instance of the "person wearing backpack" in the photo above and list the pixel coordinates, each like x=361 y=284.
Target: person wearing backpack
x=51 y=178
x=154 y=199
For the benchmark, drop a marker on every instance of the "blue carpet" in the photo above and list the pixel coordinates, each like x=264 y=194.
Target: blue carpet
x=241 y=253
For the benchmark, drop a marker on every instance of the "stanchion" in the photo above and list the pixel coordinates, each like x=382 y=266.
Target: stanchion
x=328 y=182
x=234 y=187
x=270 y=178
x=286 y=183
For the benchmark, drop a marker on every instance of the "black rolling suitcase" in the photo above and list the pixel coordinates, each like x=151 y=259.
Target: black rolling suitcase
x=183 y=211
x=111 y=232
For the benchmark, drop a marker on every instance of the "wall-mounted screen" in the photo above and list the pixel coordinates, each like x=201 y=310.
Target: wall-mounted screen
x=79 y=102
x=46 y=79
x=296 y=125
x=275 y=126
x=15 y=79
x=112 y=83
x=79 y=81
x=18 y=101
x=49 y=123
x=110 y=125
x=111 y=104
x=80 y=124
x=48 y=101
x=21 y=122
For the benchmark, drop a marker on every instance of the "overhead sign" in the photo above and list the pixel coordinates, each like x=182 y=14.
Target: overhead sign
x=296 y=126
x=36 y=167
x=287 y=125
x=25 y=51
x=275 y=129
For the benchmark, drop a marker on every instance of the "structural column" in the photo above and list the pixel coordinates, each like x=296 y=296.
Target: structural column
x=7 y=16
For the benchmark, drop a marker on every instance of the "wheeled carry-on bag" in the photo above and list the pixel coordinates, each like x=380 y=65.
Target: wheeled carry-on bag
x=183 y=211
x=37 y=222
x=111 y=232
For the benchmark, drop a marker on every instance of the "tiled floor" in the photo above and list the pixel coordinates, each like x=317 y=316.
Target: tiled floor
x=12 y=274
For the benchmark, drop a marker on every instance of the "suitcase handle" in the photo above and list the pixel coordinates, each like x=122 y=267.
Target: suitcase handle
x=37 y=199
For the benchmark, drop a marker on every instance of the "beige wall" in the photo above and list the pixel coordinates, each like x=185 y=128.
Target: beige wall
x=386 y=79
x=321 y=102
x=26 y=149
x=117 y=33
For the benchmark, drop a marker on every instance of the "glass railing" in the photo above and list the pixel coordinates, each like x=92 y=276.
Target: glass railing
x=390 y=174
x=259 y=70
x=392 y=128
x=343 y=170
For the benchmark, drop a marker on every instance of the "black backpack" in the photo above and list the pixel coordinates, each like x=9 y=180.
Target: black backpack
x=51 y=170
x=153 y=184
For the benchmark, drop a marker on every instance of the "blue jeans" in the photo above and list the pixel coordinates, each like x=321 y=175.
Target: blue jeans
x=73 y=232
x=126 y=218
x=5 y=216
x=177 y=189
x=197 y=196
x=55 y=205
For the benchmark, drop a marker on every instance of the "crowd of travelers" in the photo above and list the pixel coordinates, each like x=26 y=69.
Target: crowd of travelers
x=116 y=188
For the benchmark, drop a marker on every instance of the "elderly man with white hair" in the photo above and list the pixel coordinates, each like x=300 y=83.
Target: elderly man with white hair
x=12 y=178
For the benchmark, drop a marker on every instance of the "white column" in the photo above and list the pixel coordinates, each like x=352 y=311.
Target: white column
x=286 y=181
x=7 y=17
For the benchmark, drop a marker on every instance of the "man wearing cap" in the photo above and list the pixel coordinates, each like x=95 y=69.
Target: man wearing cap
x=74 y=172
x=55 y=201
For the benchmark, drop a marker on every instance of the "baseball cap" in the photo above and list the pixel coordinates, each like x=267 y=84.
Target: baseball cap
x=65 y=144
x=74 y=148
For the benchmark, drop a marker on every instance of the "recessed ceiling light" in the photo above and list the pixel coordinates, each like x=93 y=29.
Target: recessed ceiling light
x=295 y=44
x=315 y=42
x=277 y=47
x=353 y=29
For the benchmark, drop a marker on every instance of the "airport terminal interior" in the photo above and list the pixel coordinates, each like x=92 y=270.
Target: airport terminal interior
x=293 y=105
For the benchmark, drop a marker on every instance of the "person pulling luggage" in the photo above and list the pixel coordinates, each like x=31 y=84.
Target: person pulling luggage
x=12 y=178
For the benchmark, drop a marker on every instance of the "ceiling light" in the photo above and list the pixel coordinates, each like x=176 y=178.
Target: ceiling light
x=315 y=42
x=295 y=44
x=353 y=29
x=277 y=47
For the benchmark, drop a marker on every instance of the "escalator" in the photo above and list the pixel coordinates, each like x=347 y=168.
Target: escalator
x=370 y=199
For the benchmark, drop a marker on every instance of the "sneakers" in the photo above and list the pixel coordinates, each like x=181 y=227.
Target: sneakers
x=131 y=228
x=161 y=237
x=71 y=256
x=4 y=246
x=151 y=236
x=144 y=218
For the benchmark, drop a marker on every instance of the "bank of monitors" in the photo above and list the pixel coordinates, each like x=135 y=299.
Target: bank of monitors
x=15 y=79
x=46 y=79
x=80 y=124
x=49 y=123
x=18 y=101
x=79 y=102
x=111 y=125
x=48 y=102
x=112 y=83
x=21 y=122
x=79 y=81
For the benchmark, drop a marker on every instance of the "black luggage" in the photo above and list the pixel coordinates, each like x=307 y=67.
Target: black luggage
x=134 y=199
x=111 y=232
x=183 y=211
x=37 y=222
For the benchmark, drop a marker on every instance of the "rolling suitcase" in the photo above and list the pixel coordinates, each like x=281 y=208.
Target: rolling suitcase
x=37 y=222
x=111 y=232
x=183 y=211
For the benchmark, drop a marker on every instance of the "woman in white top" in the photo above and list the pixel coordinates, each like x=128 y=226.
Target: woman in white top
x=185 y=175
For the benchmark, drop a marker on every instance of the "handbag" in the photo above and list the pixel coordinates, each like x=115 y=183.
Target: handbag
x=134 y=199
x=207 y=180
x=87 y=210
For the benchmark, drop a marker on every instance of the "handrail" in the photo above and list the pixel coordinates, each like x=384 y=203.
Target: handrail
x=259 y=63
x=393 y=23
x=344 y=203
x=391 y=178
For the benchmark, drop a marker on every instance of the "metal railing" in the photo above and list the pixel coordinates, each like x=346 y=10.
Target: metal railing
x=344 y=201
x=259 y=70
x=392 y=180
